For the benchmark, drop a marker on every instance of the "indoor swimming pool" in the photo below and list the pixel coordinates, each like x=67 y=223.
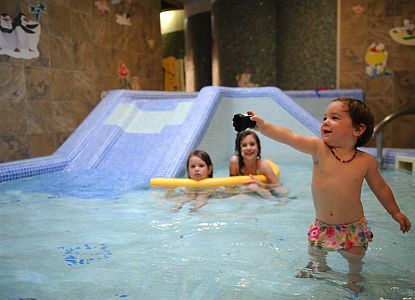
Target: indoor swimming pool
x=65 y=238
x=84 y=224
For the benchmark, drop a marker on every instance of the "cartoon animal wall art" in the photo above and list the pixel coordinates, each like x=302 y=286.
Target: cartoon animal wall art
x=37 y=10
x=358 y=9
x=244 y=79
x=404 y=35
x=19 y=37
x=124 y=7
x=376 y=59
x=124 y=75
x=102 y=6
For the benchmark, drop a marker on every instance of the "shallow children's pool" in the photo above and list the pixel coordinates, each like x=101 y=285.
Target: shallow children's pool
x=94 y=235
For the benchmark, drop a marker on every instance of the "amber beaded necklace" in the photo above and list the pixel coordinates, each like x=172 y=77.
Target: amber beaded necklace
x=342 y=160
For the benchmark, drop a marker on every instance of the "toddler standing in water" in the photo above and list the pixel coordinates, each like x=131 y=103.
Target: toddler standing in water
x=199 y=166
x=339 y=169
x=247 y=161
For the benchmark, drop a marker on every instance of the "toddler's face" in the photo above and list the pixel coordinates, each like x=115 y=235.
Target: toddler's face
x=249 y=147
x=198 y=169
x=337 y=128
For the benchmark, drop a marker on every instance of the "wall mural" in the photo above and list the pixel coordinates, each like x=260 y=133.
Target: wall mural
x=358 y=9
x=19 y=37
x=124 y=75
x=124 y=10
x=102 y=6
x=123 y=17
x=37 y=10
x=376 y=59
x=244 y=79
x=404 y=35
x=127 y=81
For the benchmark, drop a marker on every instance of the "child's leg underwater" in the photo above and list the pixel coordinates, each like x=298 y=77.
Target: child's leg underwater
x=201 y=200
x=318 y=259
x=355 y=260
x=317 y=262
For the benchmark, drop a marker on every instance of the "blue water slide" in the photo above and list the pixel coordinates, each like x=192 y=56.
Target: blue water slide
x=147 y=132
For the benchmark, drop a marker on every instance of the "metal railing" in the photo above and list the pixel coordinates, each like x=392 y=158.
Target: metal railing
x=377 y=132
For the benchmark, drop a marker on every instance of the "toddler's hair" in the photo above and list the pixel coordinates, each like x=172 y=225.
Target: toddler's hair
x=203 y=155
x=239 y=137
x=360 y=113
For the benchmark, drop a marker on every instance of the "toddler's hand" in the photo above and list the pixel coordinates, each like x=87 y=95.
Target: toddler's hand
x=403 y=221
x=259 y=122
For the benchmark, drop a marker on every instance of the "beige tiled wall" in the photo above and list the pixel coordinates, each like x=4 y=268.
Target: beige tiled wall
x=387 y=94
x=43 y=100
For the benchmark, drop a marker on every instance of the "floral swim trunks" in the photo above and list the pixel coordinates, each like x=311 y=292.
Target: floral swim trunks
x=329 y=237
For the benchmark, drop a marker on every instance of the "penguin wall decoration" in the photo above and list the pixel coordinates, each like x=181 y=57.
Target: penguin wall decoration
x=19 y=37
x=124 y=7
x=37 y=10
x=7 y=38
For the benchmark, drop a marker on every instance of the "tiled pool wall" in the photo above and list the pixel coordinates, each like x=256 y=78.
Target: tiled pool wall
x=315 y=102
x=77 y=141
x=217 y=107
x=220 y=136
x=219 y=140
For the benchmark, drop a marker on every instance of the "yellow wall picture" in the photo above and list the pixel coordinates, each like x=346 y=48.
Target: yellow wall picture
x=376 y=59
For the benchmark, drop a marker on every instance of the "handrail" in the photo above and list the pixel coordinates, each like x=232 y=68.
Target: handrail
x=377 y=132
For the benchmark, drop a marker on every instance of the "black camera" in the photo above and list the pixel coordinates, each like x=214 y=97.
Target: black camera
x=242 y=122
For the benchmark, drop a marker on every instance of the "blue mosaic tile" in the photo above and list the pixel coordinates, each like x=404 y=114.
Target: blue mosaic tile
x=98 y=145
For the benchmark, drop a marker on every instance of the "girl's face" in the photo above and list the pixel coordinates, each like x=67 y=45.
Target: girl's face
x=198 y=169
x=249 y=147
x=337 y=128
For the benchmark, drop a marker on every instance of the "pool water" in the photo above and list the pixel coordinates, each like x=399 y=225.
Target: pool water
x=89 y=235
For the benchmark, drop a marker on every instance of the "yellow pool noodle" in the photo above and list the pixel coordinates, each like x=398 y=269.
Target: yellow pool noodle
x=216 y=181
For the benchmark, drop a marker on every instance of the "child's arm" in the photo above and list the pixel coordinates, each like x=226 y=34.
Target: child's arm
x=170 y=193
x=285 y=135
x=201 y=200
x=180 y=201
x=384 y=194
x=234 y=166
x=266 y=170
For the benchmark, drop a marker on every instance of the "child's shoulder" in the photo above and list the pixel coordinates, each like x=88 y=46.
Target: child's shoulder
x=234 y=158
x=369 y=158
x=264 y=164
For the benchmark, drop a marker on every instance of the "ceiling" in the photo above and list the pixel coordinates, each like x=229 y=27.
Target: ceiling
x=171 y=4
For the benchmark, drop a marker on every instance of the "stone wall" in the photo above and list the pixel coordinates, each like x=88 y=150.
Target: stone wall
x=363 y=23
x=306 y=44
x=43 y=99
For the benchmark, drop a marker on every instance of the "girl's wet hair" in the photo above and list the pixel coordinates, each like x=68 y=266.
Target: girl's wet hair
x=203 y=155
x=239 y=137
x=360 y=113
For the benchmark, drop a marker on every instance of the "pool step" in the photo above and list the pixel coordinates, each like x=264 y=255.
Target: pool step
x=405 y=163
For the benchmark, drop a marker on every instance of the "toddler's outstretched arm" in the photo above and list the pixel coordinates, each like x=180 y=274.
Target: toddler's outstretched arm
x=285 y=135
x=385 y=195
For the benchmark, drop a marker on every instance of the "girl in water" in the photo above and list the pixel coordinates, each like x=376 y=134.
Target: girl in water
x=199 y=166
x=247 y=161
